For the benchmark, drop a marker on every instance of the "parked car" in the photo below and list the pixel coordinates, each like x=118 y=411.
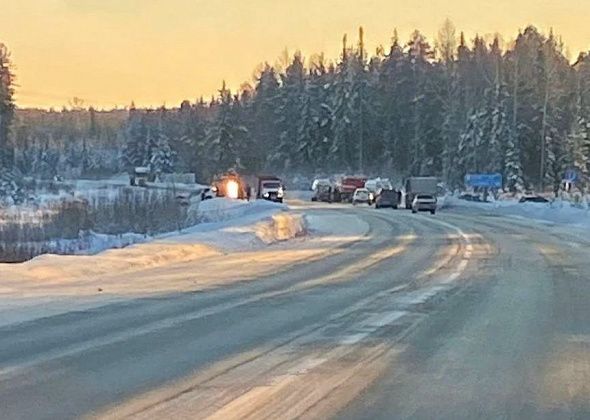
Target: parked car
x=387 y=198
x=470 y=197
x=361 y=195
x=533 y=199
x=424 y=202
x=207 y=194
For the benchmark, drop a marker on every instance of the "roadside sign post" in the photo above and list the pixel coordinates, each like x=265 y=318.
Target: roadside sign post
x=570 y=177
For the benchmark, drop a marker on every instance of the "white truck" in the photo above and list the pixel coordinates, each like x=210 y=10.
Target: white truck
x=419 y=185
x=376 y=184
x=270 y=188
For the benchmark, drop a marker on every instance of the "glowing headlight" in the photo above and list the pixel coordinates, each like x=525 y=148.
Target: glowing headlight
x=280 y=192
x=371 y=196
x=232 y=188
x=266 y=195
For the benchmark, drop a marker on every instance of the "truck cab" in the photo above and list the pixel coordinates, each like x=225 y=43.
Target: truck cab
x=270 y=188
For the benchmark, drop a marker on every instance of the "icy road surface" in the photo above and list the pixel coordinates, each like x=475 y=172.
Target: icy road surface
x=387 y=315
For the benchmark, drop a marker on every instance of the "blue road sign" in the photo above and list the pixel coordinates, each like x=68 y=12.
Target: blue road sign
x=484 y=180
x=571 y=175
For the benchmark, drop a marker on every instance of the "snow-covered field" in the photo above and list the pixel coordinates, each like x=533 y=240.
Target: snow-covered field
x=85 y=217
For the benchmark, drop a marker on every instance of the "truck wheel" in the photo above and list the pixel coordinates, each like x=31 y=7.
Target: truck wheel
x=414 y=211
x=432 y=211
x=394 y=207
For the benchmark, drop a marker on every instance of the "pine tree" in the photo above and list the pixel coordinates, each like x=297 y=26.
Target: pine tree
x=221 y=139
x=136 y=151
x=263 y=124
x=291 y=106
x=514 y=178
x=162 y=158
x=344 y=116
x=7 y=108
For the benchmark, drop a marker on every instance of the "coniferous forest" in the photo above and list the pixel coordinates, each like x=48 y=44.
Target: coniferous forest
x=445 y=107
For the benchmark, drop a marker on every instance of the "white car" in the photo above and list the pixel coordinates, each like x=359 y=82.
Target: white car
x=362 y=195
x=424 y=202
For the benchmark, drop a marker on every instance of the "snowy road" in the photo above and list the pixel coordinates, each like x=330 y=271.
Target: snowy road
x=460 y=315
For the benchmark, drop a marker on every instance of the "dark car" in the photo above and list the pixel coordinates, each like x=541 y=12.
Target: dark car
x=533 y=199
x=470 y=197
x=387 y=198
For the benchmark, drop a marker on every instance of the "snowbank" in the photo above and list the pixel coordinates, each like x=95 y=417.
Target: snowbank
x=221 y=209
x=558 y=212
x=245 y=226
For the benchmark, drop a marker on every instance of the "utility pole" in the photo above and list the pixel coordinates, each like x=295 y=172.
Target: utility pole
x=362 y=71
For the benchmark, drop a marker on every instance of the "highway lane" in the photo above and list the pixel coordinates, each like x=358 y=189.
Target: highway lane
x=515 y=345
x=84 y=363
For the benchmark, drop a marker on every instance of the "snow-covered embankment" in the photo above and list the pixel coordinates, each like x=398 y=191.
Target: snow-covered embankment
x=206 y=255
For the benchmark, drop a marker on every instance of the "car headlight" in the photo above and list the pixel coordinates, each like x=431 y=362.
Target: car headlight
x=266 y=195
x=371 y=196
x=280 y=192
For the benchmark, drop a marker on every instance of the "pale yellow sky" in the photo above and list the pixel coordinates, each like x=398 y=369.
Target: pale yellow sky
x=110 y=52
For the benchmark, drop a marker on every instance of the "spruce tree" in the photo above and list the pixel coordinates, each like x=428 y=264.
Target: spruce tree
x=7 y=108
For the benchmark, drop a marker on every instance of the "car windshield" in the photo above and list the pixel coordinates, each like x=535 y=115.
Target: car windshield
x=288 y=209
x=273 y=185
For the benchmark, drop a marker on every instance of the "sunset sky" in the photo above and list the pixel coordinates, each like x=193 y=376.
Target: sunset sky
x=110 y=52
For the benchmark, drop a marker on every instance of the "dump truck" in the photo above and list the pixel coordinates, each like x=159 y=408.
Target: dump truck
x=346 y=186
x=419 y=185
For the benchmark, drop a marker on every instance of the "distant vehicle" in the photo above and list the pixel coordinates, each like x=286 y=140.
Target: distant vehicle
x=533 y=199
x=319 y=181
x=346 y=187
x=141 y=176
x=323 y=191
x=207 y=194
x=471 y=197
x=270 y=188
x=387 y=198
x=424 y=202
x=420 y=185
x=230 y=185
x=361 y=195
x=376 y=184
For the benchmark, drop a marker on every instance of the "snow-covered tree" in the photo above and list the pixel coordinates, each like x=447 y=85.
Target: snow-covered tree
x=136 y=149
x=6 y=109
x=221 y=142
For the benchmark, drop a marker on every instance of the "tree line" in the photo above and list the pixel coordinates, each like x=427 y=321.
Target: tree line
x=413 y=108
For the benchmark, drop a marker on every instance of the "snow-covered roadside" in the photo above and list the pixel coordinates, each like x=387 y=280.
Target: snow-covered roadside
x=238 y=226
x=558 y=212
x=205 y=256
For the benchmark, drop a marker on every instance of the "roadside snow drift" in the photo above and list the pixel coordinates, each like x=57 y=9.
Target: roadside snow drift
x=557 y=212
x=239 y=226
